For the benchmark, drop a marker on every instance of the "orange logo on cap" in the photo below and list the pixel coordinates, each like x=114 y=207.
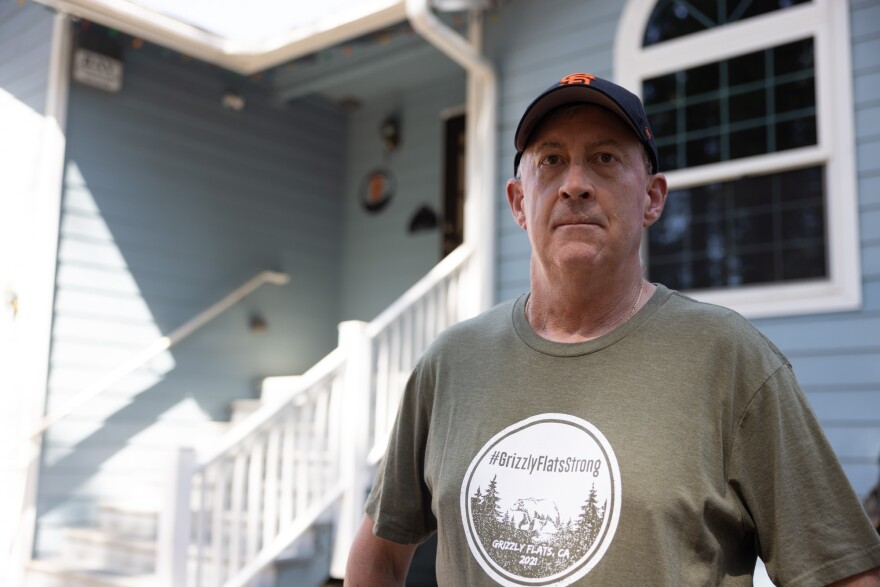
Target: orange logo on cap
x=648 y=133
x=578 y=78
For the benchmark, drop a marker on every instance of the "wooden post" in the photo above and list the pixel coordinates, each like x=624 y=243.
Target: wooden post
x=174 y=521
x=354 y=340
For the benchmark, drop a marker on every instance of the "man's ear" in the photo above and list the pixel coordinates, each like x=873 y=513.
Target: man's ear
x=656 y=199
x=515 y=200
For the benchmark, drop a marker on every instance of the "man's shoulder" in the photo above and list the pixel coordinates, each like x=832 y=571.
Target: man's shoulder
x=688 y=308
x=686 y=316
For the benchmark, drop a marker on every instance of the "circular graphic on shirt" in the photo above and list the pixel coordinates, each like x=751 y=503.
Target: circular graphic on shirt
x=541 y=500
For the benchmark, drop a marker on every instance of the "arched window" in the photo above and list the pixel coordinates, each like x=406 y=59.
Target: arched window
x=751 y=108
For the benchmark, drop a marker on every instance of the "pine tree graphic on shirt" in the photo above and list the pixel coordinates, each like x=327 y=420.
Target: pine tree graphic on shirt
x=529 y=538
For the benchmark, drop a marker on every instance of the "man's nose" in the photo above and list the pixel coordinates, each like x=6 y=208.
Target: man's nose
x=576 y=183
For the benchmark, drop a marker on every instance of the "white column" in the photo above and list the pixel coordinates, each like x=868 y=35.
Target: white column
x=175 y=519
x=353 y=339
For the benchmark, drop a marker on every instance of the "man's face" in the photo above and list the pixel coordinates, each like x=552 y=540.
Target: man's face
x=584 y=193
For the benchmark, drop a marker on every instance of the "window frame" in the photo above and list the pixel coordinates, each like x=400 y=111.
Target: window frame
x=827 y=22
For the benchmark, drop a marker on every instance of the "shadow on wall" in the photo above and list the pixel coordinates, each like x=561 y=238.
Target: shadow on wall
x=170 y=203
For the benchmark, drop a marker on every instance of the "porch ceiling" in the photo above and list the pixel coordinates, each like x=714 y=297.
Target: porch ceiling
x=365 y=69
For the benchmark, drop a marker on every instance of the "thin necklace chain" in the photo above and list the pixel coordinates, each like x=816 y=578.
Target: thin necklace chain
x=631 y=312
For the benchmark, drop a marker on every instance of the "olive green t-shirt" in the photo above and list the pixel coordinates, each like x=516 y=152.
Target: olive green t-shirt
x=670 y=451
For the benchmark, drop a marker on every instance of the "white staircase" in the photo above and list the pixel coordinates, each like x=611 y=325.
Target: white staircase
x=121 y=549
x=282 y=490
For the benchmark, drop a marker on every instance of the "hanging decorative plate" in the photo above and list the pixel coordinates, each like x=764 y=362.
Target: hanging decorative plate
x=376 y=190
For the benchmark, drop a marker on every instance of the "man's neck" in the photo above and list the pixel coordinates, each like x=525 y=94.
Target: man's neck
x=578 y=310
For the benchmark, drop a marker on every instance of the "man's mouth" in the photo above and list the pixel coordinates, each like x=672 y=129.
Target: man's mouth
x=576 y=222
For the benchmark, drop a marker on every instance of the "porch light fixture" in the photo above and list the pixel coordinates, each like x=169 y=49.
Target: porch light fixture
x=390 y=132
x=257 y=324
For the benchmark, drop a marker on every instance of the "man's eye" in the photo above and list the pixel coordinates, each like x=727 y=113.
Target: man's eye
x=606 y=158
x=551 y=159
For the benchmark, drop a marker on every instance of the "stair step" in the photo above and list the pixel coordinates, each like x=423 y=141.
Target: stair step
x=91 y=548
x=54 y=573
x=58 y=573
x=129 y=520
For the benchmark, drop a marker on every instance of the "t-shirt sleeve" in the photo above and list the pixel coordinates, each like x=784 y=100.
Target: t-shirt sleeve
x=809 y=525
x=400 y=501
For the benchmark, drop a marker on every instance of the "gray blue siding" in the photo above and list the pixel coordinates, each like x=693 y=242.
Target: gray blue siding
x=171 y=202
x=25 y=31
x=381 y=258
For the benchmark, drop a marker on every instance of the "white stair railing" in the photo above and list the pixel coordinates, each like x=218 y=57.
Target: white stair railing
x=400 y=335
x=230 y=513
x=33 y=442
x=157 y=347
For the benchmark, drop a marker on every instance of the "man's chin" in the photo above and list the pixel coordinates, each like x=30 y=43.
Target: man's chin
x=577 y=256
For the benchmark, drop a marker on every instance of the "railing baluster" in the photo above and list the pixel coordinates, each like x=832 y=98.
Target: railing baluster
x=302 y=464
x=433 y=304
x=270 y=495
x=396 y=344
x=337 y=405
x=383 y=379
x=254 y=495
x=239 y=480
x=218 y=522
x=406 y=353
x=287 y=467
x=321 y=440
x=201 y=527
x=416 y=344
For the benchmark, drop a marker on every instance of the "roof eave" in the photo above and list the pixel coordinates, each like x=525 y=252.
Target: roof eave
x=242 y=57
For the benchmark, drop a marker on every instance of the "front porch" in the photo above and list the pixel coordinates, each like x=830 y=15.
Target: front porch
x=170 y=199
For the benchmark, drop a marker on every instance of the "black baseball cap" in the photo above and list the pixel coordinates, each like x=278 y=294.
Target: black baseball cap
x=586 y=88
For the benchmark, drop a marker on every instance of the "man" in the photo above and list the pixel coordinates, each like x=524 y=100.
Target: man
x=604 y=430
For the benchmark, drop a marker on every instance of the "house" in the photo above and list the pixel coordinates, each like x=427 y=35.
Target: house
x=151 y=169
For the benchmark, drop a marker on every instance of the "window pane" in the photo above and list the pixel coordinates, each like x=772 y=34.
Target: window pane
x=699 y=80
x=795 y=133
x=661 y=89
x=747 y=106
x=668 y=156
x=706 y=114
x=676 y=18
x=747 y=142
x=747 y=68
x=794 y=57
x=795 y=95
x=664 y=123
x=672 y=19
x=750 y=8
x=805 y=261
x=755 y=230
x=703 y=151
x=753 y=104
